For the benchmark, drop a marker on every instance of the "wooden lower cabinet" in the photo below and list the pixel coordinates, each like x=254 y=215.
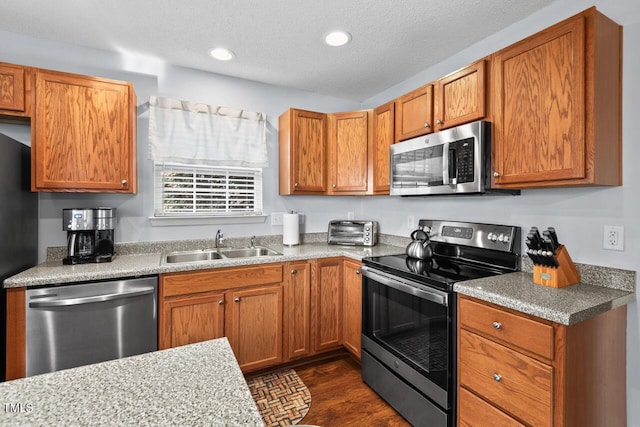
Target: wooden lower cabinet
x=297 y=314
x=192 y=318
x=352 y=307
x=244 y=304
x=326 y=304
x=515 y=369
x=254 y=327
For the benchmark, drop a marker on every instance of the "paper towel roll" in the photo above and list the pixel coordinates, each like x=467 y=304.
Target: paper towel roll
x=290 y=229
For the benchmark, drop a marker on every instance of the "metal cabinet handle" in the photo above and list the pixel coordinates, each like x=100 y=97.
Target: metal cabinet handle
x=358 y=271
x=221 y=302
x=496 y=174
x=438 y=122
x=237 y=299
x=497 y=377
x=427 y=125
x=294 y=271
x=334 y=186
x=124 y=182
x=295 y=185
x=497 y=325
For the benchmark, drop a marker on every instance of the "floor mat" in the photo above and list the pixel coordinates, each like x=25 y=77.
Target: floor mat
x=281 y=397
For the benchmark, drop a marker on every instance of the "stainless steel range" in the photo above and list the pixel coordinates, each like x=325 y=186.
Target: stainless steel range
x=409 y=315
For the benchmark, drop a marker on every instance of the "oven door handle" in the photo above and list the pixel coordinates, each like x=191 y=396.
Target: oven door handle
x=410 y=287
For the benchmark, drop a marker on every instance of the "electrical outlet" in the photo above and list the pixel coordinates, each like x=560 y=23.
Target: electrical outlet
x=613 y=238
x=411 y=222
x=277 y=218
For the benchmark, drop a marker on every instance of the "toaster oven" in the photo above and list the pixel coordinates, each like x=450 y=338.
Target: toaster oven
x=352 y=233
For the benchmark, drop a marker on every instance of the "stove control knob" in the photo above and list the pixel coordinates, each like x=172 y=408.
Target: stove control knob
x=505 y=238
x=493 y=237
x=501 y=238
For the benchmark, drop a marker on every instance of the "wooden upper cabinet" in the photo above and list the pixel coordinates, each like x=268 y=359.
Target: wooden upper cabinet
x=84 y=134
x=12 y=89
x=303 y=152
x=414 y=113
x=349 y=140
x=460 y=97
x=383 y=137
x=557 y=106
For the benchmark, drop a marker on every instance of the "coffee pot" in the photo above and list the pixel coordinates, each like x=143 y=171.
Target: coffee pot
x=419 y=247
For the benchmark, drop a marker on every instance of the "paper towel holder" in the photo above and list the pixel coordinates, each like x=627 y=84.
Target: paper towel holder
x=291 y=229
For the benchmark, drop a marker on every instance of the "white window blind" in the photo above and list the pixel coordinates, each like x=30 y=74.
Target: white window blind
x=188 y=190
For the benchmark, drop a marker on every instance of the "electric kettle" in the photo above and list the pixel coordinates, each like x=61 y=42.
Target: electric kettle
x=419 y=247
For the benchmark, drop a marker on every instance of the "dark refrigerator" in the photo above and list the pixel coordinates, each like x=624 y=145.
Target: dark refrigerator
x=18 y=220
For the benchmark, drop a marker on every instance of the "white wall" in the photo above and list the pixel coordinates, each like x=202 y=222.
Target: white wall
x=578 y=214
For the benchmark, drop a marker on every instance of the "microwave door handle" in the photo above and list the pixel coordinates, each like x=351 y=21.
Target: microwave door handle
x=445 y=163
x=453 y=164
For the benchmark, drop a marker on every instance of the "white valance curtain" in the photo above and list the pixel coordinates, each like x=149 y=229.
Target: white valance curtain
x=201 y=134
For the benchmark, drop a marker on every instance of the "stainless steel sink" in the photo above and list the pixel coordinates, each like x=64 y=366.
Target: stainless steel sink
x=191 y=256
x=215 y=254
x=248 y=252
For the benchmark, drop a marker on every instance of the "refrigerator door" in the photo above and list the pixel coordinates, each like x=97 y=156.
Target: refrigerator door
x=18 y=221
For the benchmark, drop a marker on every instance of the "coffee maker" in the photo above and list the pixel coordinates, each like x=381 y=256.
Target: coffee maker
x=90 y=235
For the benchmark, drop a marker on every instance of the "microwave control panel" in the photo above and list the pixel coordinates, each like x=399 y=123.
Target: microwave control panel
x=465 y=160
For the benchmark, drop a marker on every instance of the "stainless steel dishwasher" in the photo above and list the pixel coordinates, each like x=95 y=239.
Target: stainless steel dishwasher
x=79 y=324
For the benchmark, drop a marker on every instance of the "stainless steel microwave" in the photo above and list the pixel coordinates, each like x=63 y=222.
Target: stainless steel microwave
x=452 y=161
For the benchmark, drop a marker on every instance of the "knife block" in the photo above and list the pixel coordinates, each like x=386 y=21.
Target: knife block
x=565 y=275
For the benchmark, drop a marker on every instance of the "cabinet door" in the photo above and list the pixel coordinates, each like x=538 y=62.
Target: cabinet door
x=352 y=307
x=326 y=305
x=414 y=113
x=84 y=134
x=297 y=310
x=349 y=147
x=302 y=143
x=383 y=137
x=190 y=319
x=12 y=88
x=539 y=131
x=254 y=326
x=460 y=96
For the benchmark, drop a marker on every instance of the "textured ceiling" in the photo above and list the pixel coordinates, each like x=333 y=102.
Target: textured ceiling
x=279 y=41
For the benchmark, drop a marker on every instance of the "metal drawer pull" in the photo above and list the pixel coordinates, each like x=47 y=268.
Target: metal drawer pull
x=497 y=325
x=237 y=299
x=294 y=271
x=497 y=377
x=47 y=302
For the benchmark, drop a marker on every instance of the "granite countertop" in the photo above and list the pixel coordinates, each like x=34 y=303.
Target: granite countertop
x=566 y=306
x=197 y=384
x=139 y=264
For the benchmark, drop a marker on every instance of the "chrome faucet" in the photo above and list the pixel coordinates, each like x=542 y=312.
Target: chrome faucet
x=219 y=238
x=253 y=241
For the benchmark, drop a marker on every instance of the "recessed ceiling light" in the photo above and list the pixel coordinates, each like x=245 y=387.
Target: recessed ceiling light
x=221 y=54
x=337 y=38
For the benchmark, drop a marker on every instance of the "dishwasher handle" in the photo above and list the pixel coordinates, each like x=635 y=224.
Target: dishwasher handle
x=64 y=302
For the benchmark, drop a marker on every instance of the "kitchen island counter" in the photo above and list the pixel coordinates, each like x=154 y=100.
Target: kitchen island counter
x=197 y=384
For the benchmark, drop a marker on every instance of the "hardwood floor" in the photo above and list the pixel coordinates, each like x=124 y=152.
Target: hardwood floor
x=340 y=398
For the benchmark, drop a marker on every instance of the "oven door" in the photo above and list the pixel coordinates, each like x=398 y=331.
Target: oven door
x=410 y=329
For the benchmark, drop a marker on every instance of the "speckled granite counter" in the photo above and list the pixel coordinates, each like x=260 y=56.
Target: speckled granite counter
x=197 y=384
x=129 y=265
x=566 y=306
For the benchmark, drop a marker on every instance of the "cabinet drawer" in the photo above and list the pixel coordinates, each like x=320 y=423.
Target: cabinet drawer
x=475 y=412
x=511 y=328
x=224 y=278
x=510 y=380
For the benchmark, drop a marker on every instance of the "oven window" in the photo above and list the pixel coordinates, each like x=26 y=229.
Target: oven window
x=418 y=168
x=413 y=329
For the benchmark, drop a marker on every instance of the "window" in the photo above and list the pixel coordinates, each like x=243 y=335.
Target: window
x=193 y=190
